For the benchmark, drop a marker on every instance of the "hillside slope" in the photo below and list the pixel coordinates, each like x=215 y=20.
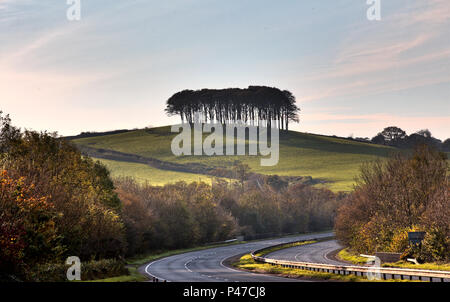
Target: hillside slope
x=334 y=161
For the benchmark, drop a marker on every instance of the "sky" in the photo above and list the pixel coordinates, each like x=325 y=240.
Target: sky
x=116 y=67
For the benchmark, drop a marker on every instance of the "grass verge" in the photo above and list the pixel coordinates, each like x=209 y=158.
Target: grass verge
x=247 y=263
x=347 y=255
x=352 y=257
x=133 y=276
x=427 y=266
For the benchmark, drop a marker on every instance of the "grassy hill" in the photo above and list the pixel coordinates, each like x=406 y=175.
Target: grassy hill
x=334 y=161
x=145 y=173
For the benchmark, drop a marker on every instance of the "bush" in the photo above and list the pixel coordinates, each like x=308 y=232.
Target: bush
x=409 y=192
x=28 y=233
x=91 y=270
x=182 y=215
x=171 y=217
x=54 y=202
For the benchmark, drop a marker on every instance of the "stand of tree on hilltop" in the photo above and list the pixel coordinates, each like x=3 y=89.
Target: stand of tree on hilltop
x=250 y=105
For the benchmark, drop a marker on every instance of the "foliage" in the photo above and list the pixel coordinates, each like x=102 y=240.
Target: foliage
x=254 y=104
x=132 y=275
x=55 y=202
x=394 y=136
x=28 y=233
x=406 y=193
x=182 y=215
x=90 y=270
x=170 y=217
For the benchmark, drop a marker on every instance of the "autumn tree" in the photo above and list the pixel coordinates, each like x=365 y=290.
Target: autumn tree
x=28 y=229
x=393 y=197
x=80 y=189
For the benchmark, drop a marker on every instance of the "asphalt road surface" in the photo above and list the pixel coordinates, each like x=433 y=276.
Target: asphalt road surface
x=315 y=253
x=207 y=265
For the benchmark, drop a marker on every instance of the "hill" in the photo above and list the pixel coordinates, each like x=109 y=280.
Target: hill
x=146 y=154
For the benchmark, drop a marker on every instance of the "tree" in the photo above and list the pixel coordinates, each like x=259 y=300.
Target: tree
x=446 y=145
x=379 y=139
x=422 y=137
x=251 y=105
x=425 y=133
x=79 y=189
x=406 y=193
x=28 y=232
x=242 y=172
x=393 y=135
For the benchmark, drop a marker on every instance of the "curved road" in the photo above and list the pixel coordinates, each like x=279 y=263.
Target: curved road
x=316 y=253
x=207 y=265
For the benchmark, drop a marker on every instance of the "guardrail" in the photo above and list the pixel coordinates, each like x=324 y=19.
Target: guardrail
x=363 y=271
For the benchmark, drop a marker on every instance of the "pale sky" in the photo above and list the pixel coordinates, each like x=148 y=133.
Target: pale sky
x=116 y=67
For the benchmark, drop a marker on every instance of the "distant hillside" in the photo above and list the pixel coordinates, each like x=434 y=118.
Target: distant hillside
x=146 y=154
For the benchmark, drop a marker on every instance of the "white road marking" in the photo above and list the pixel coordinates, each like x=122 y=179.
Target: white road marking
x=151 y=275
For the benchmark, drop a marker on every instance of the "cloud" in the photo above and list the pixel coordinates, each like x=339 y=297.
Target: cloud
x=382 y=57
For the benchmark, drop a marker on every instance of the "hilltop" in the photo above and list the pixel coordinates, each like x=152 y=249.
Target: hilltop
x=146 y=155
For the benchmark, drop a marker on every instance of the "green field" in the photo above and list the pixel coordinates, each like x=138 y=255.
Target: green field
x=335 y=161
x=144 y=173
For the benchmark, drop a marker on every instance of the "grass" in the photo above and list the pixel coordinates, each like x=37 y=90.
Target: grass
x=145 y=173
x=347 y=255
x=246 y=262
x=335 y=161
x=133 y=276
x=427 y=266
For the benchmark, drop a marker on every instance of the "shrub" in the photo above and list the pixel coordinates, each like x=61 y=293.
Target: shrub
x=54 y=202
x=28 y=233
x=91 y=270
x=408 y=192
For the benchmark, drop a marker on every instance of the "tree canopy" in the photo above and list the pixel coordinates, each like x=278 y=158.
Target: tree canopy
x=250 y=105
x=406 y=193
x=396 y=137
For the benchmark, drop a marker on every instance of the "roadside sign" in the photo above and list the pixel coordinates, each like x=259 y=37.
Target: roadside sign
x=415 y=237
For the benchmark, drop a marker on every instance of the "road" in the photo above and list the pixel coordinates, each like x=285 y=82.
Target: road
x=207 y=265
x=316 y=253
